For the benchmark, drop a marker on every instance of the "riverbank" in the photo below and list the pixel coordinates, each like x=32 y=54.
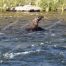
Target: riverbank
x=49 y=15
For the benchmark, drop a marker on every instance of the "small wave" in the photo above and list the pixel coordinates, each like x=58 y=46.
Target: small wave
x=53 y=34
x=54 y=24
x=12 y=55
x=1 y=33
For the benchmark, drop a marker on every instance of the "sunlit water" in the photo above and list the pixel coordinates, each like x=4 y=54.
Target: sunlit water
x=41 y=48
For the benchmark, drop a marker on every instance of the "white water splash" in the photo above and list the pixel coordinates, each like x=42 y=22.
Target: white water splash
x=12 y=55
x=41 y=43
x=1 y=61
x=53 y=34
x=1 y=33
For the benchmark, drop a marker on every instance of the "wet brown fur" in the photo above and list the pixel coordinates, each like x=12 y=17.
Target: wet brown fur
x=34 y=25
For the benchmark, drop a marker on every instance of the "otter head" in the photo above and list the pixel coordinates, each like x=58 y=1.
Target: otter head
x=35 y=22
x=39 y=18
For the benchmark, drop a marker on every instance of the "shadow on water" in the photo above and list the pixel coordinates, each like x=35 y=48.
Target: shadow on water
x=40 y=48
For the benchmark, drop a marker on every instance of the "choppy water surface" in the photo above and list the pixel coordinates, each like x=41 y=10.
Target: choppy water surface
x=41 y=48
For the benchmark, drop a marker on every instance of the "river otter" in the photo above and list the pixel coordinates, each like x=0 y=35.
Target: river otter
x=33 y=26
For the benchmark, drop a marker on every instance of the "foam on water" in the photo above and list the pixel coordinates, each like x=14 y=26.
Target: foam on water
x=39 y=52
x=53 y=34
x=1 y=33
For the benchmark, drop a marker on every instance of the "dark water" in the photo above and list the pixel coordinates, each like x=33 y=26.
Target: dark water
x=41 y=48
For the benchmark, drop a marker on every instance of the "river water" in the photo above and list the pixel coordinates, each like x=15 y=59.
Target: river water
x=40 y=48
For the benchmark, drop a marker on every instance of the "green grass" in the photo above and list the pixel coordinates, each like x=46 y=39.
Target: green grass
x=51 y=5
x=46 y=5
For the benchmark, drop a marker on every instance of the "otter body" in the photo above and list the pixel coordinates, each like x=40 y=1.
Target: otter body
x=34 y=25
